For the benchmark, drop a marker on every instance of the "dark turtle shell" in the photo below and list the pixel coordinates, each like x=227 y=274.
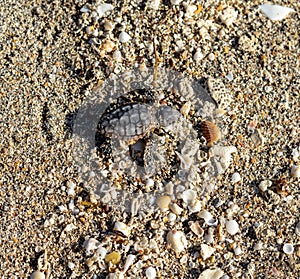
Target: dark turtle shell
x=128 y=123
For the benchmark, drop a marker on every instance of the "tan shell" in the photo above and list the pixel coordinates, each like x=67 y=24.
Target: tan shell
x=210 y=132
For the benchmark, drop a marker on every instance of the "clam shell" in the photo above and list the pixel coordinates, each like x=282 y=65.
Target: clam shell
x=210 y=132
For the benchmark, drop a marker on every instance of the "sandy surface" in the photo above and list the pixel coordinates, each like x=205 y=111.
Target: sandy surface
x=50 y=62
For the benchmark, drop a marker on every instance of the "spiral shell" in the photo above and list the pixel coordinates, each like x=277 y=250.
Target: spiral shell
x=210 y=132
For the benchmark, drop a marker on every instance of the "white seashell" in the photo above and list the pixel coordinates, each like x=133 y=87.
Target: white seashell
x=232 y=227
x=235 y=178
x=208 y=218
x=90 y=245
x=123 y=228
x=206 y=251
x=71 y=188
x=175 y=208
x=150 y=272
x=124 y=37
x=177 y=240
x=275 y=12
x=129 y=261
x=288 y=248
x=195 y=206
x=216 y=273
x=264 y=185
x=103 y=8
x=189 y=196
x=185 y=161
x=295 y=153
x=228 y=16
x=209 y=237
x=163 y=202
x=37 y=275
x=295 y=171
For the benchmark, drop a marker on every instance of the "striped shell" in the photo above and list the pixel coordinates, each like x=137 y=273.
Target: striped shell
x=210 y=132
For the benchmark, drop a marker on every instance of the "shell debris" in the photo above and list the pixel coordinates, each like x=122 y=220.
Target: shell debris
x=219 y=93
x=228 y=16
x=276 y=12
x=177 y=240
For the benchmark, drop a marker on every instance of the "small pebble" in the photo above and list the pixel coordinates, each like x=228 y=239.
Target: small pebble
x=288 y=248
x=237 y=251
x=113 y=257
x=150 y=272
x=232 y=227
x=124 y=37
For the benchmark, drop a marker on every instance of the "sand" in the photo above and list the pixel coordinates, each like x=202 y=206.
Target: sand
x=55 y=55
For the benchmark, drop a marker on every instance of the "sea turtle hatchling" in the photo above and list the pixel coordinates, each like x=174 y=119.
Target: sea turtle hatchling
x=132 y=122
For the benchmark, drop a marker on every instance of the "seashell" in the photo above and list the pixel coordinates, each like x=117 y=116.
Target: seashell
x=264 y=185
x=232 y=227
x=215 y=273
x=91 y=244
x=177 y=240
x=210 y=132
x=37 y=275
x=206 y=216
x=288 y=248
x=175 y=208
x=171 y=217
x=189 y=196
x=101 y=252
x=102 y=9
x=206 y=251
x=219 y=93
x=196 y=229
x=295 y=171
x=129 y=261
x=163 y=202
x=122 y=228
x=153 y=4
x=150 y=272
x=275 y=12
x=195 y=206
x=235 y=178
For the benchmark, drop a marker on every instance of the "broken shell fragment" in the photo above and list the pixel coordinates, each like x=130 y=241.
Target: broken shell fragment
x=189 y=196
x=206 y=251
x=150 y=272
x=196 y=229
x=275 y=12
x=122 y=228
x=177 y=240
x=176 y=208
